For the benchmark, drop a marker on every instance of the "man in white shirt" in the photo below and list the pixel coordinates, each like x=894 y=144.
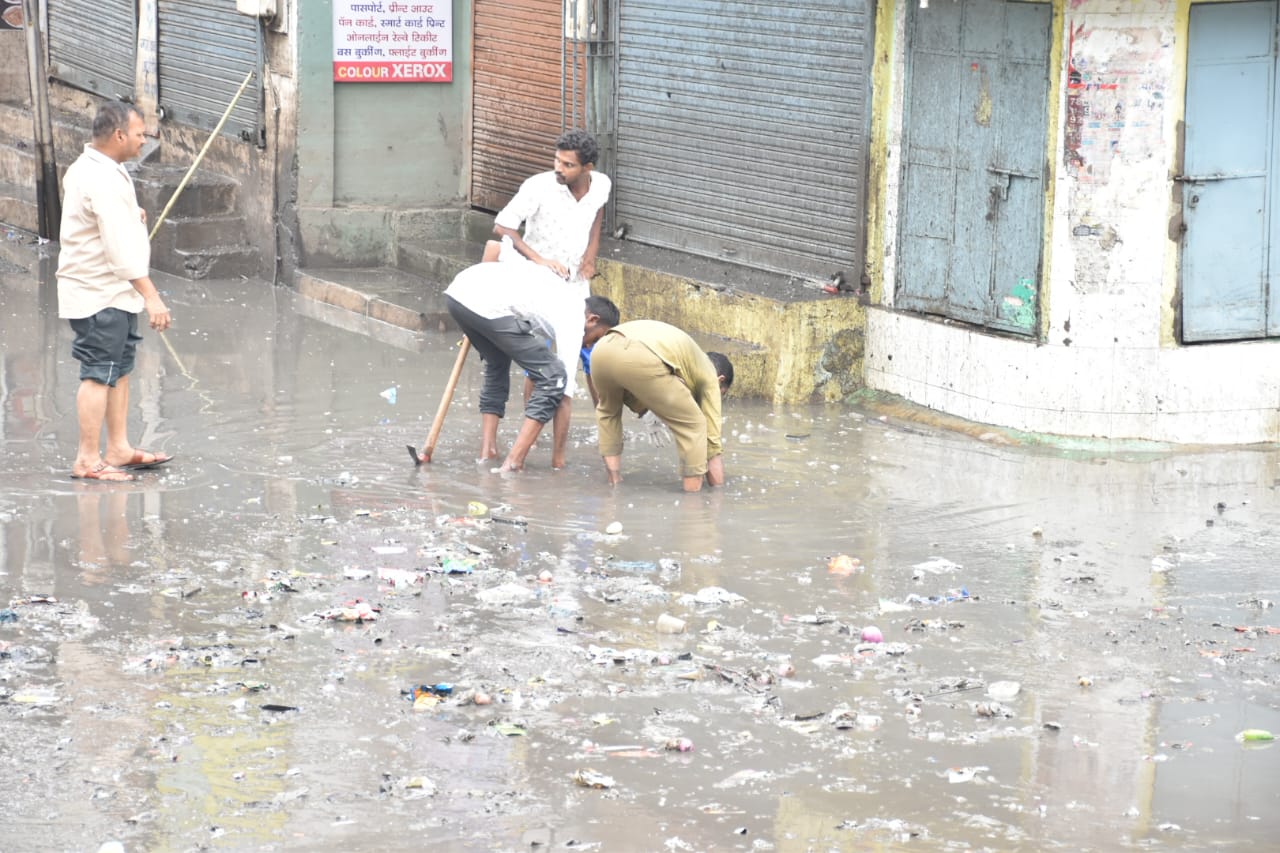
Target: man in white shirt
x=104 y=282
x=562 y=211
x=538 y=324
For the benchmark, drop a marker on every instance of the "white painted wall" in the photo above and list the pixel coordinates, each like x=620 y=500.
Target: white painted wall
x=1108 y=365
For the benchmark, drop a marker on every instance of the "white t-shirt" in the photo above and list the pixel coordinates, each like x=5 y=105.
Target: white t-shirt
x=490 y=290
x=556 y=225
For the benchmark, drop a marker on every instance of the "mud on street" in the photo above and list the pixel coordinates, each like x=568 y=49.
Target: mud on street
x=879 y=635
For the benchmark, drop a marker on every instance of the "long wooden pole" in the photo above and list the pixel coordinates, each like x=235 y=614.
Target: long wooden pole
x=443 y=408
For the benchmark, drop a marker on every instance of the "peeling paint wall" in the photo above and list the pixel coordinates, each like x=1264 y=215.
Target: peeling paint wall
x=1107 y=361
x=1108 y=227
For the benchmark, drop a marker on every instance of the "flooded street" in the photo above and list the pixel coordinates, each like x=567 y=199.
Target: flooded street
x=225 y=655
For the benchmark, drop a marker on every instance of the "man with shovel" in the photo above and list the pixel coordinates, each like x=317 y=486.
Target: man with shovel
x=538 y=324
x=104 y=282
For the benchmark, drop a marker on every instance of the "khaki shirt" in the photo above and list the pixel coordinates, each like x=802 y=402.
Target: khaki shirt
x=687 y=361
x=104 y=241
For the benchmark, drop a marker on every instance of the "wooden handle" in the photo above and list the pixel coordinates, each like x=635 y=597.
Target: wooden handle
x=445 y=400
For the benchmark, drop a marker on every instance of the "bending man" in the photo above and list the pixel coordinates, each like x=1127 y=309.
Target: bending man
x=648 y=365
x=537 y=324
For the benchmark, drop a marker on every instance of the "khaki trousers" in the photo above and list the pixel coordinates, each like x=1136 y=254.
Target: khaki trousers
x=623 y=369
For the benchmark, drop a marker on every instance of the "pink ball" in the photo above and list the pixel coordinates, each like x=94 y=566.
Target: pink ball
x=871 y=634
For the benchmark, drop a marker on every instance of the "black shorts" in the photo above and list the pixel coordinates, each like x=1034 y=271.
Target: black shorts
x=105 y=345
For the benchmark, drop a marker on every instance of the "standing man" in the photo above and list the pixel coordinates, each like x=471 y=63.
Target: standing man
x=104 y=282
x=648 y=365
x=561 y=210
x=538 y=324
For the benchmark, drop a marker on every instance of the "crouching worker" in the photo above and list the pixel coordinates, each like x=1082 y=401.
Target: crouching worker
x=648 y=365
x=537 y=324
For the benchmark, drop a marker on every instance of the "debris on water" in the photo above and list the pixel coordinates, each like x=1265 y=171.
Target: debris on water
x=1003 y=690
x=845 y=718
x=936 y=566
x=476 y=509
x=508 y=729
x=911 y=602
x=389 y=550
x=958 y=775
x=668 y=624
x=872 y=634
x=389 y=395
x=505 y=595
x=278 y=709
x=408 y=787
x=399 y=577
x=640 y=566
x=710 y=596
x=614 y=528
x=992 y=709
x=818 y=617
x=678 y=744
x=1160 y=565
x=843 y=565
x=454 y=567
x=8 y=615
x=593 y=779
x=441 y=689
x=1255 y=736
x=355 y=611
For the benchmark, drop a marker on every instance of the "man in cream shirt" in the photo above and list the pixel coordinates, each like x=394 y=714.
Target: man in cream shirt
x=104 y=282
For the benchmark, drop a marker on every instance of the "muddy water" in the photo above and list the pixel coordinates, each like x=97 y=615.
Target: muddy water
x=191 y=684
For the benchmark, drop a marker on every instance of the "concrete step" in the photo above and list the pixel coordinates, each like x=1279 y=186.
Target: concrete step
x=438 y=260
x=206 y=194
x=192 y=233
x=240 y=261
x=386 y=294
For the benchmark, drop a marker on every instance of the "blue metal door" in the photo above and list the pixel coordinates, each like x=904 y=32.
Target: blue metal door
x=976 y=107
x=1229 y=174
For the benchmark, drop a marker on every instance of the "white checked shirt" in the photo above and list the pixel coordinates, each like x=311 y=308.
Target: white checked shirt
x=556 y=225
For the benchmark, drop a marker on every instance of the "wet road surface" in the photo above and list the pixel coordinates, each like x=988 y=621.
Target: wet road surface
x=224 y=655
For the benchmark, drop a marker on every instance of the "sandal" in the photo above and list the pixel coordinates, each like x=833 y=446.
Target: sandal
x=140 y=462
x=105 y=473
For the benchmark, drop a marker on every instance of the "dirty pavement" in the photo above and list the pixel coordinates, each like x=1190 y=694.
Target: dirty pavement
x=879 y=635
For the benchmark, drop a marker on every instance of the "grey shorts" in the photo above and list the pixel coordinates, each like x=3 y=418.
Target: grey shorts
x=105 y=345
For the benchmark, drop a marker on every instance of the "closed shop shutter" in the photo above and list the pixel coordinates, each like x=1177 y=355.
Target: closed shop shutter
x=93 y=45
x=206 y=49
x=518 y=95
x=742 y=130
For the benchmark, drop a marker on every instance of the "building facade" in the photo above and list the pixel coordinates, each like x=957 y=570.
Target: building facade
x=1072 y=216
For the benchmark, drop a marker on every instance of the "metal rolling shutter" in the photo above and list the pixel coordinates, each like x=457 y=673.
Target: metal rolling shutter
x=205 y=51
x=742 y=130
x=93 y=45
x=517 y=96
